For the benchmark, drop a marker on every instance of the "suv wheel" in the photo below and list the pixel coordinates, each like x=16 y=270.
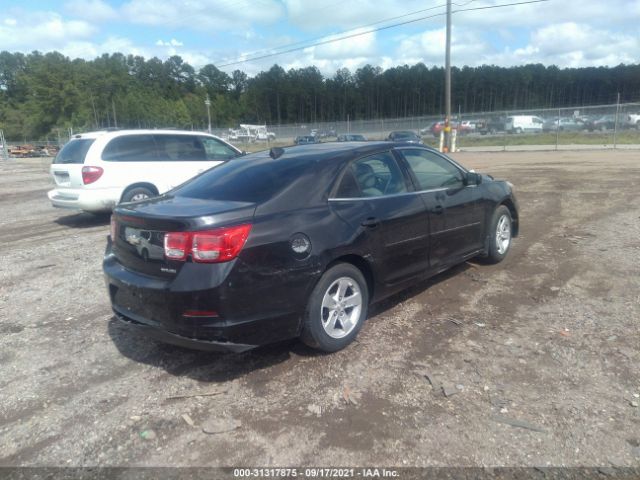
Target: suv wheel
x=137 y=194
x=336 y=310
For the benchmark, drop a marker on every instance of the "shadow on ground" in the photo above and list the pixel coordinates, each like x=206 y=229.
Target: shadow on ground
x=84 y=220
x=222 y=367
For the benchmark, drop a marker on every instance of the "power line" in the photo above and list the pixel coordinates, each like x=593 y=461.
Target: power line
x=289 y=45
x=386 y=27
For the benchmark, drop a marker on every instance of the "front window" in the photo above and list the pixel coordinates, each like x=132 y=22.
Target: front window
x=216 y=150
x=433 y=171
x=374 y=176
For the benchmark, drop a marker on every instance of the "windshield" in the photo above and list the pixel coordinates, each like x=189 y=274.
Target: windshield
x=74 y=151
x=244 y=180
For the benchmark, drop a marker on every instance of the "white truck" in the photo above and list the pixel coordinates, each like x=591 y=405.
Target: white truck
x=524 y=123
x=634 y=120
x=251 y=133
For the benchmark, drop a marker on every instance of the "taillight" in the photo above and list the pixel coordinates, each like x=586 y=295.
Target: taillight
x=209 y=246
x=114 y=228
x=177 y=245
x=91 y=174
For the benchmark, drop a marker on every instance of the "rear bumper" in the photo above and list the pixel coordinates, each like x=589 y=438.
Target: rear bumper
x=94 y=200
x=158 y=333
x=243 y=317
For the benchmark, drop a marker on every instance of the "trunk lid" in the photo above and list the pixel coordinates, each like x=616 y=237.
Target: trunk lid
x=140 y=229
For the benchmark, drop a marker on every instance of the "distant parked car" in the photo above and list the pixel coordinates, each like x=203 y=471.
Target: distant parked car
x=605 y=122
x=404 y=136
x=305 y=139
x=524 y=123
x=352 y=137
x=633 y=120
x=491 y=125
x=437 y=127
x=95 y=171
x=567 y=124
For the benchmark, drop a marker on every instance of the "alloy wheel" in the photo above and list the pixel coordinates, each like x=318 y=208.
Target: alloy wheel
x=341 y=307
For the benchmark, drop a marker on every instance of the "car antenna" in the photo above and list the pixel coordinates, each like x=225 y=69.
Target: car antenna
x=276 y=152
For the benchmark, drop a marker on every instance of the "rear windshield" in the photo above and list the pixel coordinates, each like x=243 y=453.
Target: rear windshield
x=401 y=135
x=245 y=180
x=74 y=151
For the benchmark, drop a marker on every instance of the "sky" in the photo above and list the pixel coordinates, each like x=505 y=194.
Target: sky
x=566 y=33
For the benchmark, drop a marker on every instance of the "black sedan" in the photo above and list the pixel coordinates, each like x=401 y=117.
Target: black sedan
x=298 y=242
x=305 y=139
x=351 y=137
x=404 y=136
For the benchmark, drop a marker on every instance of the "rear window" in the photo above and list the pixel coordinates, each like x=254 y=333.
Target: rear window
x=74 y=151
x=246 y=180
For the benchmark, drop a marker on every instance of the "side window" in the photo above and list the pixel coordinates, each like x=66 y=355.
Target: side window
x=180 y=148
x=216 y=150
x=373 y=176
x=130 y=148
x=348 y=187
x=432 y=171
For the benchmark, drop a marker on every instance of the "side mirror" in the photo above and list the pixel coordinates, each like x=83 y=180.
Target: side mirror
x=472 y=178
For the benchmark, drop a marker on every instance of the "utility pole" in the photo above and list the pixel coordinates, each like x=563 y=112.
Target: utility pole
x=207 y=102
x=113 y=106
x=447 y=83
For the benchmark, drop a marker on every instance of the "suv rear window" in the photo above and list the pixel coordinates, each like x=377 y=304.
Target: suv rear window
x=74 y=151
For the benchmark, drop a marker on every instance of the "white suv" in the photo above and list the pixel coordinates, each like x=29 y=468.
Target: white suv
x=95 y=171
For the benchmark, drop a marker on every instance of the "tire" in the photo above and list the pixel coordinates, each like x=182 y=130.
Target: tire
x=518 y=130
x=137 y=194
x=499 y=246
x=145 y=255
x=317 y=331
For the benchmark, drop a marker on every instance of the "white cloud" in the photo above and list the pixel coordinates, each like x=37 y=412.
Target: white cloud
x=571 y=44
x=203 y=15
x=171 y=43
x=91 y=10
x=41 y=30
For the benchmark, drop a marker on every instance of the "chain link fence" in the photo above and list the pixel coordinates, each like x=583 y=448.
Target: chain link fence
x=604 y=126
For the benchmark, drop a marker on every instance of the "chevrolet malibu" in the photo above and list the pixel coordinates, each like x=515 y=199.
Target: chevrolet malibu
x=298 y=242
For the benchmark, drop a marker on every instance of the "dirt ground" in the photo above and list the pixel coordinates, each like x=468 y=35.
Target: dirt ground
x=539 y=355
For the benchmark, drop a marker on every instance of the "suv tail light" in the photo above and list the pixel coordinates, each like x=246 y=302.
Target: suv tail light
x=208 y=246
x=91 y=174
x=114 y=228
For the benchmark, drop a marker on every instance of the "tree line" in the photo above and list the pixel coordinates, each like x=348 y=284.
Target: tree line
x=44 y=93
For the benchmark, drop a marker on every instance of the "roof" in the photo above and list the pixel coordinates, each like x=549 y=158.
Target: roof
x=149 y=131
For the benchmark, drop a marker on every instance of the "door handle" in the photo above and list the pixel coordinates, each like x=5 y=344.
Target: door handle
x=370 y=222
x=438 y=210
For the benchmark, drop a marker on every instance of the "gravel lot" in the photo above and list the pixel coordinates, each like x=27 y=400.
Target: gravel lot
x=539 y=355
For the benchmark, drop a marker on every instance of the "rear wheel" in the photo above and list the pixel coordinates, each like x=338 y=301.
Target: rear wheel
x=137 y=194
x=337 y=308
x=500 y=235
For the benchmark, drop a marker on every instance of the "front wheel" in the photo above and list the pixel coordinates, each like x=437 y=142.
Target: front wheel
x=500 y=235
x=337 y=308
